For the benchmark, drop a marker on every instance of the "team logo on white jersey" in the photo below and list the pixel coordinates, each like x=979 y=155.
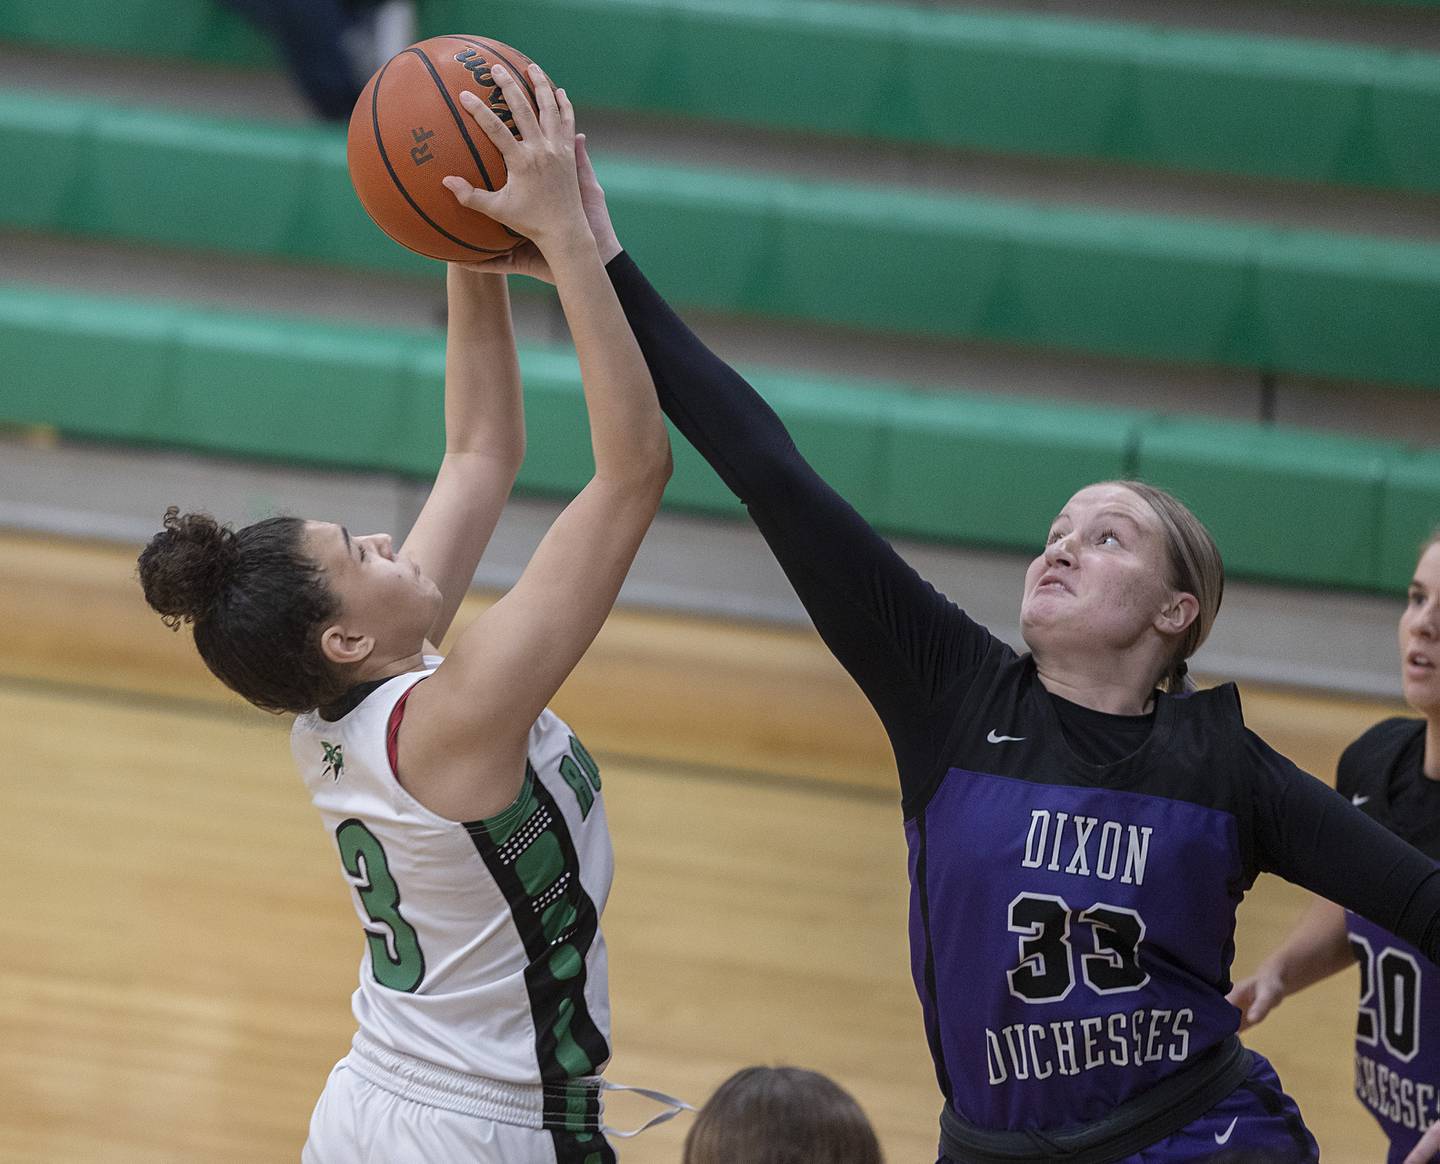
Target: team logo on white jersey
x=334 y=760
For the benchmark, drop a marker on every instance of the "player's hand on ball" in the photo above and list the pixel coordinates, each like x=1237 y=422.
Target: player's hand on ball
x=1256 y=997
x=541 y=195
x=526 y=258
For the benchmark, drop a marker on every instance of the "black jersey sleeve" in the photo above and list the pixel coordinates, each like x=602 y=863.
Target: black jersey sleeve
x=1311 y=835
x=909 y=648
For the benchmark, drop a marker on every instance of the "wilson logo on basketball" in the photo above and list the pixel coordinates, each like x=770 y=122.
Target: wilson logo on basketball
x=477 y=65
x=479 y=68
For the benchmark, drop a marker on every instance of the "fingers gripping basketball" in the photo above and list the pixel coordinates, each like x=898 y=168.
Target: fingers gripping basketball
x=409 y=130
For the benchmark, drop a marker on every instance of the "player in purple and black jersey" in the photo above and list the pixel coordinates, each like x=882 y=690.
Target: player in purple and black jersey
x=1392 y=773
x=1081 y=827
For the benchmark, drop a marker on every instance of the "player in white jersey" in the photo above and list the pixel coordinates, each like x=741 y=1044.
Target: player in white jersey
x=467 y=818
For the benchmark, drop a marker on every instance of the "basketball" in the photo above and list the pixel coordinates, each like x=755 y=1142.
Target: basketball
x=408 y=131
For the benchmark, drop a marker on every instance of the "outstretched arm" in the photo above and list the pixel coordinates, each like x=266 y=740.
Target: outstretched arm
x=1311 y=835
x=1317 y=948
x=910 y=649
x=477 y=711
x=484 y=439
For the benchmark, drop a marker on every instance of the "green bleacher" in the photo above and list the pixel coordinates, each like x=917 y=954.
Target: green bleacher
x=1258 y=106
x=1163 y=288
x=951 y=466
x=892 y=261
x=1029 y=84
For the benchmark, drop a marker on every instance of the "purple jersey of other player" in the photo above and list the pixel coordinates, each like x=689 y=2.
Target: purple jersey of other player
x=1083 y=949
x=1397 y=1022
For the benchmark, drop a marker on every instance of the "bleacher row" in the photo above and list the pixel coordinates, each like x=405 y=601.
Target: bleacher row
x=962 y=78
x=951 y=465
x=897 y=261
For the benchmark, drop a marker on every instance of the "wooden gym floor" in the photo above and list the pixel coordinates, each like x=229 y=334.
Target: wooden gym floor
x=179 y=947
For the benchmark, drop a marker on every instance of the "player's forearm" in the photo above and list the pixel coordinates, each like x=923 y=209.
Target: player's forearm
x=1317 y=948
x=627 y=431
x=714 y=407
x=483 y=410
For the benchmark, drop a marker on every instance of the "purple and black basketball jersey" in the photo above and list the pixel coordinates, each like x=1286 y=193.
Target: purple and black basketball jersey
x=1071 y=922
x=1397 y=1022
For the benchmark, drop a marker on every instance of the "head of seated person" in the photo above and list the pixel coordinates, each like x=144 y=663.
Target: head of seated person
x=781 y=1115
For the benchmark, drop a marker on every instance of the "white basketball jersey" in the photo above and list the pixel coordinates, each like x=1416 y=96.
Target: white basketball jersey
x=483 y=945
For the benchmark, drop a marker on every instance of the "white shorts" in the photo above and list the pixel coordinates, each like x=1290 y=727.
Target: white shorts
x=357 y=1121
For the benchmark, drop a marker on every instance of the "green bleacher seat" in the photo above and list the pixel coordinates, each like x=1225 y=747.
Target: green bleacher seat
x=1025 y=84
x=200 y=29
x=1410 y=514
x=943 y=465
x=707 y=231
x=996 y=471
x=1009 y=83
x=1345 y=306
x=324 y=396
x=54 y=134
x=1290 y=108
x=88 y=366
x=1283 y=504
x=336 y=395
x=416 y=439
x=844 y=431
x=152 y=177
x=887 y=260
x=557 y=458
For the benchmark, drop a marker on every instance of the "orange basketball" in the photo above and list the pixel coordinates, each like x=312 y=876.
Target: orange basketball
x=409 y=130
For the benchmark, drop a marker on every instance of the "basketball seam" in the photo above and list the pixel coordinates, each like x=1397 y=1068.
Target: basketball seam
x=395 y=178
x=491 y=46
x=455 y=113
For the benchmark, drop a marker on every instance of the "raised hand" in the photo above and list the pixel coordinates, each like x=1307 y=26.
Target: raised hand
x=541 y=195
x=526 y=258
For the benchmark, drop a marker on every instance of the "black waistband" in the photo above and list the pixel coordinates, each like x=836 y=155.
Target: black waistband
x=1137 y=1123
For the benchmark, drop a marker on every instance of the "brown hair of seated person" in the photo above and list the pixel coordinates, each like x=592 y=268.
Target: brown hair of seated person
x=781 y=1115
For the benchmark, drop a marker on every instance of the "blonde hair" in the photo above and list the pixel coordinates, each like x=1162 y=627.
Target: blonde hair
x=1195 y=568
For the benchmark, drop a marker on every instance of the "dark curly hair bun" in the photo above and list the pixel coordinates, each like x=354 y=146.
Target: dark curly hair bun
x=186 y=566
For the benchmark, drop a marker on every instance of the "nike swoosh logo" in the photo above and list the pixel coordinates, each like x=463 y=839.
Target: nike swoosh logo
x=995 y=738
x=1225 y=1138
x=1357 y=800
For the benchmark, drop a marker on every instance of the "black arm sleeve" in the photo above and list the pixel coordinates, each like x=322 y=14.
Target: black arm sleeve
x=910 y=649
x=1313 y=836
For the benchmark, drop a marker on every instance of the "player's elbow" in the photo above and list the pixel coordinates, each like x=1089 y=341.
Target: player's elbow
x=647 y=470
x=664 y=463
